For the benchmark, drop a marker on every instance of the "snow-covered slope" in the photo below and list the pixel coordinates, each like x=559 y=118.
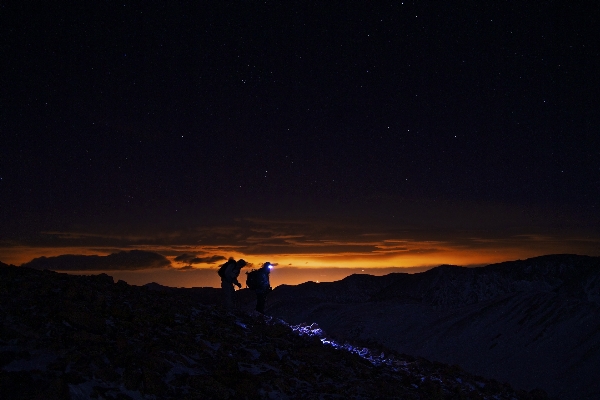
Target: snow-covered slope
x=533 y=323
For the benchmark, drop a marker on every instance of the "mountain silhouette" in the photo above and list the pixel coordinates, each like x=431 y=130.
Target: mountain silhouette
x=533 y=323
x=87 y=337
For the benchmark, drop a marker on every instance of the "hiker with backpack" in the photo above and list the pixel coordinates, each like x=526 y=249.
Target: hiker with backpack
x=229 y=273
x=258 y=280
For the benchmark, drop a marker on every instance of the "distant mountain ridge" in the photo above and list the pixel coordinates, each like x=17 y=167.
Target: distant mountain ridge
x=450 y=285
x=533 y=323
x=453 y=286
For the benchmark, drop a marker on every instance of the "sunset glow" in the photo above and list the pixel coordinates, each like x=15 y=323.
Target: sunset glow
x=301 y=257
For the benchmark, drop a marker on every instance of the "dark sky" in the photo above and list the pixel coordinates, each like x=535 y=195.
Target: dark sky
x=152 y=115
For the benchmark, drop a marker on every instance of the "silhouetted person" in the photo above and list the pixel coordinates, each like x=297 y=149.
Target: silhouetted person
x=229 y=273
x=258 y=280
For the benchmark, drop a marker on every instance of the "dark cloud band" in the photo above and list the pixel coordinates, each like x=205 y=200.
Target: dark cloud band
x=121 y=261
x=192 y=259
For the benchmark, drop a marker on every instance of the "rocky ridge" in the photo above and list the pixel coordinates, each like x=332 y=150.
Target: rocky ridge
x=86 y=337
x=533 y=323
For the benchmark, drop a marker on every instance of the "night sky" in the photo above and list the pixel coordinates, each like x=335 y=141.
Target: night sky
x=309 y=134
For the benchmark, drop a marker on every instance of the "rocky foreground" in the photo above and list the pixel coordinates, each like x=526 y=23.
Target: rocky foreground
x=86 y=337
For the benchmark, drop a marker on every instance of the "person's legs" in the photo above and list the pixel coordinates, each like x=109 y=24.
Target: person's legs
x=260 y=302
x=228 y=292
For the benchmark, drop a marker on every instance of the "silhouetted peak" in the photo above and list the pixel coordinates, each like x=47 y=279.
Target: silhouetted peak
x=445 y=269
x=156 y=286
x=357 y=278
x=447 y=266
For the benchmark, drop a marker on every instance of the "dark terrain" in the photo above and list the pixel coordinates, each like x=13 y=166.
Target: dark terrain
x=80 y=337
x=533 y=323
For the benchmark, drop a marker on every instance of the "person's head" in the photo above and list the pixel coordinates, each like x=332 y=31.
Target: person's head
x=267 y=266
x=241 y=263
x=228 y=262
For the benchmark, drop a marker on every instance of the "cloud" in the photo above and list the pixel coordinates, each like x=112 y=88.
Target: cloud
x=207 y=260
x=192 y=259
x=396 y=232
x=186 y=258
x=87 y=235
x=121 y=261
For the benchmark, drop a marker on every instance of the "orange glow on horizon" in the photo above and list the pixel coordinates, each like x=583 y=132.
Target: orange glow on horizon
x=464 y=257
x=323 y=260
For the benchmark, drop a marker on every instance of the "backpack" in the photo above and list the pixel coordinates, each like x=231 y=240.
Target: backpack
x=224 y=267
x=253 y=279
